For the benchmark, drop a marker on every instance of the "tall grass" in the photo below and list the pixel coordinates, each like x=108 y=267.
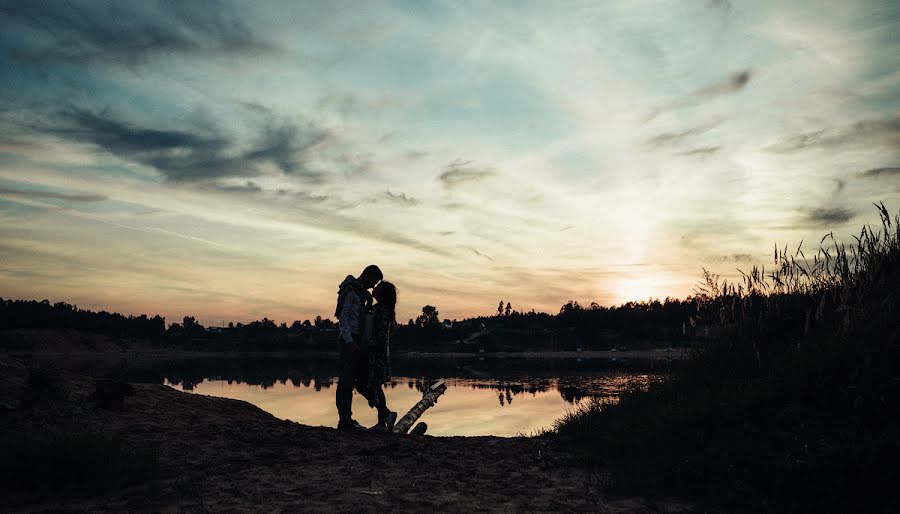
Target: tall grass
x=790 y=406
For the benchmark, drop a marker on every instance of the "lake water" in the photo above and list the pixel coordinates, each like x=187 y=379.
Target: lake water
x=501 y=397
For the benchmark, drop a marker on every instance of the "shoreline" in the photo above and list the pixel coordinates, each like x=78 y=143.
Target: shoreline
x=222 y=455
x=162 y=354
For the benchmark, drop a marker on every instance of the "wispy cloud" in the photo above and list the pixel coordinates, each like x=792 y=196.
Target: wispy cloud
x=480 y=254
x=827 y=216
x=672 y=138
x=96 y=32
x=724 y=5
x=71 y=197
x=881 y=172
x=201 y=154
x=702 y=151
x=460 y=173
x=874 y=132
x=732 y=84
x=401 y=199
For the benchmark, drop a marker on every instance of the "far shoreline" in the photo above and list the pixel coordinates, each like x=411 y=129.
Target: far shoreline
x=164 y=354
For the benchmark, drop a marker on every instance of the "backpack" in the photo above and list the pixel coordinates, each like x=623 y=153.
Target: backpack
x=347 y=286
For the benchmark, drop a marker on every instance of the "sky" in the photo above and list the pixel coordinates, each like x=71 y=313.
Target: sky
x=235 y=160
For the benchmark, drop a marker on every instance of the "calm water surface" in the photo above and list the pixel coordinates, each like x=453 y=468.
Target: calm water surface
x=468 y=407
x=501 y=397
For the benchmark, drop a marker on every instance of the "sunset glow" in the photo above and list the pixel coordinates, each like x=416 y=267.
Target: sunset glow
x=234 y=161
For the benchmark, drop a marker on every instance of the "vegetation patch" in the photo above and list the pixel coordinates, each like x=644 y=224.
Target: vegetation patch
x=791 y=406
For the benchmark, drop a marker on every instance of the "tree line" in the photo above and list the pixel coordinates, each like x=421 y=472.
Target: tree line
x=653 y=322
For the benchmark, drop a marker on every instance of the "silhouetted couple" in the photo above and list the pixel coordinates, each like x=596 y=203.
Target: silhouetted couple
x=365 y=338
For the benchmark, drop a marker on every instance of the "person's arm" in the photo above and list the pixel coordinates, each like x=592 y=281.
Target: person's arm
x=349 y=317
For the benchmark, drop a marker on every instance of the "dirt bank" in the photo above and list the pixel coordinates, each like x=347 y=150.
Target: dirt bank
x=217 y=454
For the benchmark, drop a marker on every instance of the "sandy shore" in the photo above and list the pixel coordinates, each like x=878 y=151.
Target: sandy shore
x=221 y=455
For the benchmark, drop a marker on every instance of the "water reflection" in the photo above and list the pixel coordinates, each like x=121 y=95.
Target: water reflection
x=494 y=396
x=469 y=407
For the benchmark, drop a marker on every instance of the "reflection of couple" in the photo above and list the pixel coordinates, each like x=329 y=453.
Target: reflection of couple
x=365 y=345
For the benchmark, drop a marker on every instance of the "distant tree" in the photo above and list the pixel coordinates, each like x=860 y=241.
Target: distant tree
x=570 y=307
x=323 y=323
x=500 y=309
x=429 y=316
x=508 y=309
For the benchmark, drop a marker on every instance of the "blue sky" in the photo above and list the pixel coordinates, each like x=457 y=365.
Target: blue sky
x=235 y=160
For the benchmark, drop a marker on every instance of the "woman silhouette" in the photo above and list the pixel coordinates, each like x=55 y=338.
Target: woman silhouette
x=378 y=354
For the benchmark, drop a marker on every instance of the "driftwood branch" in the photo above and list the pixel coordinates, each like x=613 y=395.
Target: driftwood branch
x=428 y=399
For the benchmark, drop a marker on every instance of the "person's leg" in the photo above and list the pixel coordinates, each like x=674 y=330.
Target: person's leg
x=346 y=381
x=363 y=386
x=381 y=405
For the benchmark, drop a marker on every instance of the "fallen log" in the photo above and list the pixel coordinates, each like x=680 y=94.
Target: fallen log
x=419 y=429
x=428 y=400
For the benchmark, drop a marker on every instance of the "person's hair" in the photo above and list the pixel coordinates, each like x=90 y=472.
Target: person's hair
x=372 y=271
x=388 y=298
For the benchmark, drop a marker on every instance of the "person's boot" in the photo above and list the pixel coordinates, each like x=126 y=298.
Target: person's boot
x=390 y=420
x=349 y=424
x=386 y=420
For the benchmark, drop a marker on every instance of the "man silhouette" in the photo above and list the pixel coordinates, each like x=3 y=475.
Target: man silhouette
x=354 y=301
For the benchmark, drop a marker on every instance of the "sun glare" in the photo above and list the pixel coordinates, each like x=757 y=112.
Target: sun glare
x=640 y=288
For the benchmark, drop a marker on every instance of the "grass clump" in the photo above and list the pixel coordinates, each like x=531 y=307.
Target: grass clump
x=790 y=406
x=45 y=463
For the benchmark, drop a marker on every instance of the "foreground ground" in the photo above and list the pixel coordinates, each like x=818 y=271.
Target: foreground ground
x=217 y=454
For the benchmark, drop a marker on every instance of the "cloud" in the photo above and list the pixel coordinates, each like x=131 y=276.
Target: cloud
x=879 y=132
x=732 y=84
x=476 y=252
x=702 y=151
x=247 y=187
x=881 y=172
x=724 y=5
x=734 y=257
x=459 y=173
x=85 y=33
x=180 y=155
x=286 y=146
x=401 y=198
x=670 y=138
x=829 y=216
x=72 y=197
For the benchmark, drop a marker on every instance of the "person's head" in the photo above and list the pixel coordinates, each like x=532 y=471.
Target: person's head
x=370 y=276
x=385 y=294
